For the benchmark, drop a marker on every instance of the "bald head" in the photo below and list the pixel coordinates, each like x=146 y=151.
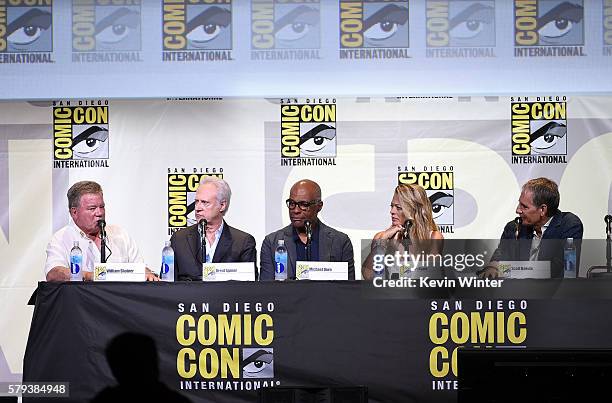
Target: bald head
x=307 y=187
x=305 y=196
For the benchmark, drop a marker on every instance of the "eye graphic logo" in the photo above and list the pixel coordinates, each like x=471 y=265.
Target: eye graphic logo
x=539 y=129
x=111 y=27
x=308 y=131
x=548 y=23
x=197 y=25
x=440 y=190
x=181 y=195
x=80 y=134
x=258 y=363
x=90 y=142
x=374 y=24
x=283 y=25
x=25 y=28
x=460 y=23
x=208 y=27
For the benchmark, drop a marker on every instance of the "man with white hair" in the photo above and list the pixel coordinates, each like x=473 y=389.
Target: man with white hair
x=224 y=244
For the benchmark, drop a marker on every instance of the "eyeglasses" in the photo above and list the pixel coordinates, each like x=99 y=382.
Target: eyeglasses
x=303 y=205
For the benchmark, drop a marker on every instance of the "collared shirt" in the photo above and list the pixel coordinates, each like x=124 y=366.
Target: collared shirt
x=211 y=248
x=536 y=240
x=300 y=247
x=122 y=246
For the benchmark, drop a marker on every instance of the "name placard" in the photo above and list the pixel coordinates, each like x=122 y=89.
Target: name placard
x=524 y=269
x=321 y=270
x=119 y=272
x=244 y=271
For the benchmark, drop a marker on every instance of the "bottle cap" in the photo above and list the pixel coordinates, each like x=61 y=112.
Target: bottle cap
x=167 y=243
x=281 y=242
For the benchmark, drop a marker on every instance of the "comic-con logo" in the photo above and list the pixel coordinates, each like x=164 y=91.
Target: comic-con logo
x=182 y=185
x=80 y=134
x=374 y=29
x=455 y=324
x=197 y=30
x=539 y=129
x=26 y=32
x=548 y=28
x=440 y=189
x=285 y=30
x=308 y=132
x=607 y=27
x=232 y=346
x=460 y=28
x=109 y=28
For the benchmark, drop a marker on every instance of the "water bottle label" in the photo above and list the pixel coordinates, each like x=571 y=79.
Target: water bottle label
x=165 y=268
x=280 y=268
x=75 y=264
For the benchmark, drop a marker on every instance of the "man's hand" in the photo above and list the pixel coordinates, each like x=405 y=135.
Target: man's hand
x=150 y=276
x=59 y=273
x=489 y=272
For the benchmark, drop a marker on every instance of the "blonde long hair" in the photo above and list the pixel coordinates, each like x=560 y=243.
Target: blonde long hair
x=416 y=207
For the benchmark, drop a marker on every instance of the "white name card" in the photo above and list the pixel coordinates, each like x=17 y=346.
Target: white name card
x=228 y=271
x=524 y=269
x=321 y=270
x=119 y=272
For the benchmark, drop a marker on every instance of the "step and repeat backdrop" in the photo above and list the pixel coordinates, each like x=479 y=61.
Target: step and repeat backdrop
x=112 y=91
x=59 y=49
x=471 y=154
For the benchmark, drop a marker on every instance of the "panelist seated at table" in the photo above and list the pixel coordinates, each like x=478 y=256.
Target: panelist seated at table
x=540 y=231
x=328 y=244
x=87 y=209
x=412 y=224
x=224 y=244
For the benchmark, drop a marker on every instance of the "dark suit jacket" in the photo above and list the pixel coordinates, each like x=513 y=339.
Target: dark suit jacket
x=234 y=246
x=334 y=246
x=563 y=225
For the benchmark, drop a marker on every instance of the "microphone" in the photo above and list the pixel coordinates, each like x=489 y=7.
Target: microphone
x=518 y=221
x=407 y=226
x=203 y=223
x=308 y=226
x=102 y=225
x=608 y=221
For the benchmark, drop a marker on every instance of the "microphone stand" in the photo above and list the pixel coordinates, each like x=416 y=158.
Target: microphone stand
x=608 y=266
x=518 y=221
x=308 y=226
x=102 y=225
x=406 y=235
x=608 y=220
x=203 y=223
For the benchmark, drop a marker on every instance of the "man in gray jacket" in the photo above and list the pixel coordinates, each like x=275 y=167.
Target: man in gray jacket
x=328 y=245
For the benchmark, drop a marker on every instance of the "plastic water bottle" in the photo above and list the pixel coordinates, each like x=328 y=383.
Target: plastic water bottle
x=76 y=263
x=167 y=267
x=280 y=257
x=569 y=257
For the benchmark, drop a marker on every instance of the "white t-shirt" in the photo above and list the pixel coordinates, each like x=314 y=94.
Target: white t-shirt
x=122 y=246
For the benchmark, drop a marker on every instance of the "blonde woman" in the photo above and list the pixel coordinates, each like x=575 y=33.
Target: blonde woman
x=411 y=215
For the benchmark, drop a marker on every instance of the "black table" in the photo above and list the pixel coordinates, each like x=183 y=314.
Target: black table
x=398 y=343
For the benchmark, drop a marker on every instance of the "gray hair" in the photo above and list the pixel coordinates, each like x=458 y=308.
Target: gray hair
x=79 y=189
x=546 y=192
x=224 y=193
